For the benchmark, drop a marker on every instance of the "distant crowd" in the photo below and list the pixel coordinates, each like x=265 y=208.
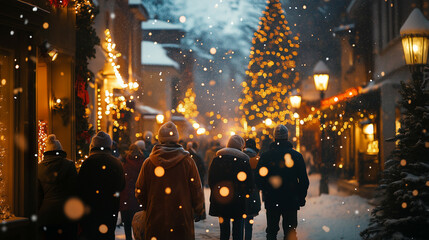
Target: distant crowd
x=158 y=189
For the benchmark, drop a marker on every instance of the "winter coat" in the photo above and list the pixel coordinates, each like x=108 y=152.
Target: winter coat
x=228 y=193
x=200 y=164
x=254 y=202
x=132 y=165
x=283 y=181
x=57 y=179
x=101 y=179
x=169 y=189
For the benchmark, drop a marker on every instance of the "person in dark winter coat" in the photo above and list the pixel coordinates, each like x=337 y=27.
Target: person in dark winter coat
x=192 y=149
x=57 y=179
x=283 y=179
x=254 y=201
x=169 y=189
x=128 y=202
x=101 y=179
x=148 y=135
x=230 y=181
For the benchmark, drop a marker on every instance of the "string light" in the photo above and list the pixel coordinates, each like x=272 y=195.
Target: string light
x=42 y=133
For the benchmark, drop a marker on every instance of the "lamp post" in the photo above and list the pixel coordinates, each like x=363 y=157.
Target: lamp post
x=415 y=42
x=295 y=102
x=321 y=78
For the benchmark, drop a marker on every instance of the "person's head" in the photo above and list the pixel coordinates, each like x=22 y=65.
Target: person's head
x=251 y=143
x=134 y=151
x=141 y=145
x=168 y=133
x=101 y=141
x=189 y=145
x=52 y=144
x=235 y=141
x=148 y=136
x=281 y=132
x=303 y=148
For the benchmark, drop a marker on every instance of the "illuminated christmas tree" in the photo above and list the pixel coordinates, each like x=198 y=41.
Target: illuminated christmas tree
x=271 y=72
x=187 y=107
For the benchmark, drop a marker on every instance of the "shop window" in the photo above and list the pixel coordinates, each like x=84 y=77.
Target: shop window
x=6 y=135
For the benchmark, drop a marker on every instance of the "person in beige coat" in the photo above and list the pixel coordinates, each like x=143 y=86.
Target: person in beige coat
x=169 y=189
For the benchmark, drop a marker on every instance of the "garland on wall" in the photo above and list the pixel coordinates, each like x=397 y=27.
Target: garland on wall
x=86 y=40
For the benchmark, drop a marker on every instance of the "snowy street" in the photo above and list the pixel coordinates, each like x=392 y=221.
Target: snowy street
x=334 y=216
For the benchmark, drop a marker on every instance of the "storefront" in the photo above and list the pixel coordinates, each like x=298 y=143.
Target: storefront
x=37 y=50
x=353 y=135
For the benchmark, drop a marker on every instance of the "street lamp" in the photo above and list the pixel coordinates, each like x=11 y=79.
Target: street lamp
x=321 y=78
x=295 y=102
x=415 y=34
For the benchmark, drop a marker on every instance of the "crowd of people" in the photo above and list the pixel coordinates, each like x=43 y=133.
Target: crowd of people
x=158 y=188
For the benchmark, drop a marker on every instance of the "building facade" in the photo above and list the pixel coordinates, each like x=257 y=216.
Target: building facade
x=37 y=59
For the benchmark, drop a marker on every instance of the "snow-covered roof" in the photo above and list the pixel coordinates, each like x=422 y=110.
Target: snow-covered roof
x=155 y=54
x=155 y=24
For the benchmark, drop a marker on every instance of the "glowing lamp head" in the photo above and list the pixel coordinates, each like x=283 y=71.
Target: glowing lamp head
x=321 y=76
x=295 y=101
x=415 y=34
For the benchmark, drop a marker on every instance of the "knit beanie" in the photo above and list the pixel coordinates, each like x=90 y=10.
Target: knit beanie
x=52 y=144
x=168 y=133
x=236 y=142
x=281 y=132
x=141 y=145
x=101 y=140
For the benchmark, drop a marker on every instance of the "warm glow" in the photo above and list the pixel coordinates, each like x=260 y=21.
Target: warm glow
x=288 y=160
x=321 y=81
x=415 y=49
x=224 y=191
x=263 y=171
x=268 y=122
x=201 y=131
x=160 y=119
x=241 y=176
x=295 y=101
x=159 y=171
x=368 y=129
x=196 y=125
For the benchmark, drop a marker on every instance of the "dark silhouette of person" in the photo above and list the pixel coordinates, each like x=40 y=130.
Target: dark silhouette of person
x=283 y=179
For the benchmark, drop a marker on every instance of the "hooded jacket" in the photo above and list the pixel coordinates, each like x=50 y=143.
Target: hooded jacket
x=57 y=178
x=283 y=179
x=132 y=164
x=169 y=189
x=228 y=193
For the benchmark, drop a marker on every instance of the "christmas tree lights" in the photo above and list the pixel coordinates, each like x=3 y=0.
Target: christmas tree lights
x=271 y=71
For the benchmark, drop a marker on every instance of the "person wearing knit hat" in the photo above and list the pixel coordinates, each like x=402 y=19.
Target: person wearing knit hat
x=101 y=141
x=142 y=146
x=281 y=132
x=167 y=179
x=168 y=133
x=236 y=142
x=284 y=196
x=57 y=181
x=101 y=178
x=230 y=178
